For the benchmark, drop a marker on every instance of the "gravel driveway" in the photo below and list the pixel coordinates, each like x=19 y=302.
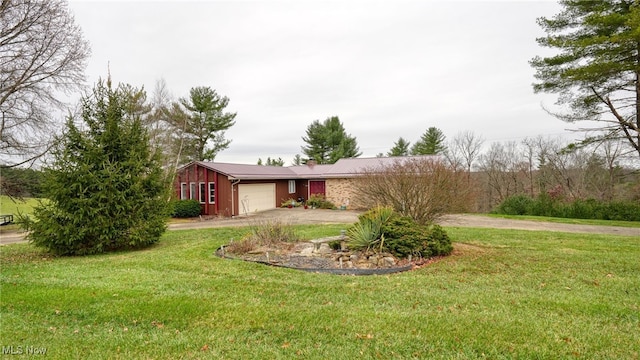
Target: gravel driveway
x=316 y=216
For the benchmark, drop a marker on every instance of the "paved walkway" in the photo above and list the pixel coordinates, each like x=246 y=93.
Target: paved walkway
x=298 y=216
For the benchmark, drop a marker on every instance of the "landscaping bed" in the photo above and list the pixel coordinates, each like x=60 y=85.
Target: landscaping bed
x=317 y=256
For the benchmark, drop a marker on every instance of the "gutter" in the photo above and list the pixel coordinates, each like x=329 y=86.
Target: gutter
x=234 y=182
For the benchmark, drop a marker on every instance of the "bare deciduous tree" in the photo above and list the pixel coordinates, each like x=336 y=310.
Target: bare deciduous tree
x=464 y=149
x=42 y=56
x=421 y=188
x=504 y=169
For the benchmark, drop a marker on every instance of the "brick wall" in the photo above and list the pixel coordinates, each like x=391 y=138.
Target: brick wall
x=341 y=192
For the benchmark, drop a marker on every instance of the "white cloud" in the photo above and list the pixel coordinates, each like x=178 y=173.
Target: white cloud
x=386 y=68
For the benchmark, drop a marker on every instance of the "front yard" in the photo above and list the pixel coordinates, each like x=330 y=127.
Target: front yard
x=502 y=294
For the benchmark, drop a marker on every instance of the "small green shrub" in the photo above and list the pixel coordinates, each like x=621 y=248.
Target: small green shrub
x=404 y=237
x=515 y=205
x=319 y=202
x=290 y=202
x=186 y=208
x=438 y=241
x=385 y=230
x=364 y=235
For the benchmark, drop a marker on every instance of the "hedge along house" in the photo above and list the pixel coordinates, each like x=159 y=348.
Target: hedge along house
x=225 y=189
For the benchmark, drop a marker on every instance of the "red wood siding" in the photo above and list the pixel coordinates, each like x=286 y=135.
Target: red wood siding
x=198 y=174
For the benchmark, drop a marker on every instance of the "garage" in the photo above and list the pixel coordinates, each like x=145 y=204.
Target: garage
x=256 y=197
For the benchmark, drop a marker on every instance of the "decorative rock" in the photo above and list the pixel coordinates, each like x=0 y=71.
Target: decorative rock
x=307 y=251
x=325 y=249
x=353 y=258
x=389 y=261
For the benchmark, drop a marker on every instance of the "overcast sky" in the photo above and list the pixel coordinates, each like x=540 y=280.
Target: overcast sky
x=387 y=69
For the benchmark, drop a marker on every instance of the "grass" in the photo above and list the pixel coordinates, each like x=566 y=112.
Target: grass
x=13 y=207
x=633 y=224
x=502 y=294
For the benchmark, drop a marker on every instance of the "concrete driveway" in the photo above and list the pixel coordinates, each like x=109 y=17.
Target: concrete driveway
x=297 y=216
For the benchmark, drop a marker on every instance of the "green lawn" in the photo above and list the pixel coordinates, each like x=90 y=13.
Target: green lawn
x=633 y=224
x=10 y=206
x=13 y=206
x=503 y=294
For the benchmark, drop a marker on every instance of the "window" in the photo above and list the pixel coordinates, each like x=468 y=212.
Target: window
x=183 y=191
x=203 y=193
x=292 y=186
x=192 y=191
x=212 y=193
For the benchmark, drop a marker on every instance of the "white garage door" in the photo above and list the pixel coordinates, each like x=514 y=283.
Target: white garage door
x=256 y=197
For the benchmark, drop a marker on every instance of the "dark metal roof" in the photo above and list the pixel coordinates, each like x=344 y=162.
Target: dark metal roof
x=249 y=172
x=343 y=168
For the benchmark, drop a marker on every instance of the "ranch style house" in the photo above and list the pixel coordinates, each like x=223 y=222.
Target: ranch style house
x=225 y=189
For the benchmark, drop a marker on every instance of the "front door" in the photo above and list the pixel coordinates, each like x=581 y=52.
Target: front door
x=316 y=187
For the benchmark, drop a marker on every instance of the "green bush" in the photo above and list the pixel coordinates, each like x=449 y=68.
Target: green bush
x=186 y=208
x=543 y=205
x=399 y=235
x=364 y=235
x=625 y=211
x=319 y=202
x=404 y=237
x=438 y=241
x=515 y=205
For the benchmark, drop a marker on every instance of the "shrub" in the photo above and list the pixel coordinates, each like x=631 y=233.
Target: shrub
x=186 y=208
x=399 y=235
x=264 y=233
x=364 y=235
x=544 y=205
x=273 y=231
x=515 y=205
x=403 y=237
x=421 y=188
x=438 y=241
x=290 y=202
x=319 y=202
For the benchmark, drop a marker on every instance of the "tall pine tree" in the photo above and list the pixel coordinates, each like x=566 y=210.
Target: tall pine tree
x=596 y=73
x=327 y=142
x=400 y=148
x=432 y=142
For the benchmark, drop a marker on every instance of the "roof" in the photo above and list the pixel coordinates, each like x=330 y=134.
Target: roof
x=343 y=168
x=249 y=172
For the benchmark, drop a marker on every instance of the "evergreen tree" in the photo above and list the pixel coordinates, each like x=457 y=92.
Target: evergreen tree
x=105 y=187
x=432 y=142
x=271 y=162
x=400 y=148
x=327 y=142
x=297 y=160
x=597 y=72
x=203 y=129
